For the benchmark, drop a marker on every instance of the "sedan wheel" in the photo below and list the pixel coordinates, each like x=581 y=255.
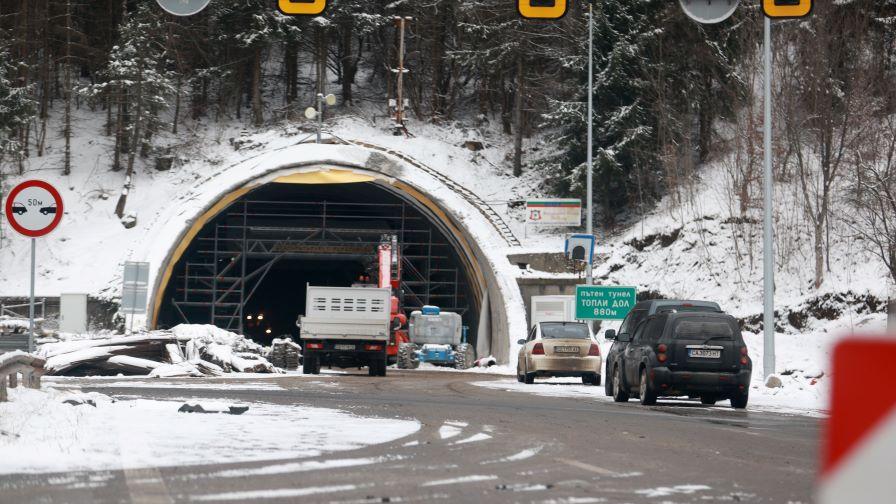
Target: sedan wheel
x=529 y=378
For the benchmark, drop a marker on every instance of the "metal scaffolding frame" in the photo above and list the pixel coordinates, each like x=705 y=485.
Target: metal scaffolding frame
x=229 y=260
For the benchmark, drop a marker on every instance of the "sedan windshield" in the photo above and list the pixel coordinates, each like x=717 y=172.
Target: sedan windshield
x=564 y=330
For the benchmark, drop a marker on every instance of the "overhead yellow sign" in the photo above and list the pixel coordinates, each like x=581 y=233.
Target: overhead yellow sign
x=542 y=9
x=301 y=7
x=787 y=8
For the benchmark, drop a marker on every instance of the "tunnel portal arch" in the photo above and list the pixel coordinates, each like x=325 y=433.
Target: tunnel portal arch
x=476 y=286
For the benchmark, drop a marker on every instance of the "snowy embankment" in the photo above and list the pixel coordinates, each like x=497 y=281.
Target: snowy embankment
x=185 y=350
x=39 y=433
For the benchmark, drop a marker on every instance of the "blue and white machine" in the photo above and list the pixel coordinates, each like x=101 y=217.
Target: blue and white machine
x=437 y=337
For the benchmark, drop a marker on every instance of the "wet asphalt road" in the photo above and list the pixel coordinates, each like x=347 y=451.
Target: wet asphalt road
x=540 y=450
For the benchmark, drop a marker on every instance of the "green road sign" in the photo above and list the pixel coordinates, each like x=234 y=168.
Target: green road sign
x=598 y=302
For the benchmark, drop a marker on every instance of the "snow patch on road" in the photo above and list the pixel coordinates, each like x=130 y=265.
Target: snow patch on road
x=44 y=435
x=187 y=385
x=463 y=479
x=474 y=438
x=281 y=493
x=516 y=457
x=653 y=493
x=296 y=467
x=451 y=429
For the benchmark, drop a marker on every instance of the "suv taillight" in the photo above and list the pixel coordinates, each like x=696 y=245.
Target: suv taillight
x=315 y=346
x=661 y=352
x=594 y=351
x=538 y=349
x=744 y=356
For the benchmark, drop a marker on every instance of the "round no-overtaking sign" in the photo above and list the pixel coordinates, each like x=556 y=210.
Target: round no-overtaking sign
x=34 y=208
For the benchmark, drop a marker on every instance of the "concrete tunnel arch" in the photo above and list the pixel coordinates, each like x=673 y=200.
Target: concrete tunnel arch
x=389 y=174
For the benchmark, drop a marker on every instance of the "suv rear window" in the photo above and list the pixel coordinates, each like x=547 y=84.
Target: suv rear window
x=686 y=308
x=702 y=329
x=559 y=330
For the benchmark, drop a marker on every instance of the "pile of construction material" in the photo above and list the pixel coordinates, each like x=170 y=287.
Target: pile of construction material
x=285 y=354
x=185 y=350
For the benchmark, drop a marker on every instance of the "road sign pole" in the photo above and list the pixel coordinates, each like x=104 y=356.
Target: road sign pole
x=31 y=301
x=768 y=319
x=590 y=189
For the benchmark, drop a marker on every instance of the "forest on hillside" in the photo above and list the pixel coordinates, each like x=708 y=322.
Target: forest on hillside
x=670 y=95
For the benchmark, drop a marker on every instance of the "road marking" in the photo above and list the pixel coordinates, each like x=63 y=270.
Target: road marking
x=146 y=486
x=587 y=467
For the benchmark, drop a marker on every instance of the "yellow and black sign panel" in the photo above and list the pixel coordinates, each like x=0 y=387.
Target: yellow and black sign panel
x=302 y=7
x=787 y=8
x=542 y=9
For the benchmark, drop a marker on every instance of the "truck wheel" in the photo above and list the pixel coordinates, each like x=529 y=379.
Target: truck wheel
x=311 y=364
x=407 y=356
x=464 y=356
x=377 y=366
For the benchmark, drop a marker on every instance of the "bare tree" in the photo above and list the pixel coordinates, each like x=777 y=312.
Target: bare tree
x=873 y=194
x=826 y=110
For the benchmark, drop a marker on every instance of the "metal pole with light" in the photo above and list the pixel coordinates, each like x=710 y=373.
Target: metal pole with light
x=589 y=276
x=318 y=113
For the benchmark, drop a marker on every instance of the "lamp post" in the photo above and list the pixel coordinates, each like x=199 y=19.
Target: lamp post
x=318 y=113
x=589 y=277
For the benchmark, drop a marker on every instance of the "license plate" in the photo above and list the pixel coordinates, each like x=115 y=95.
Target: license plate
x=344 y=347
x=704 y=354
x=566 y=349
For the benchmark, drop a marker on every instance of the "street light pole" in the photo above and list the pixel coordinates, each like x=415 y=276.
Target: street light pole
x=768 y=319
x=590 y=176
x=320 y=116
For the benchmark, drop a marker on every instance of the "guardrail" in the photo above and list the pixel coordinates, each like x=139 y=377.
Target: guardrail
x=18 y=363
x=10 y=310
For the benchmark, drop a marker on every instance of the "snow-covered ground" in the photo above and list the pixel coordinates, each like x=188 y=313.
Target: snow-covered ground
x=39 y=433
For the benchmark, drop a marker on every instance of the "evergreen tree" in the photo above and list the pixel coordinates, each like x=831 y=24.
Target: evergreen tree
x=17 y=109
x=648 y=90
x=137 y=75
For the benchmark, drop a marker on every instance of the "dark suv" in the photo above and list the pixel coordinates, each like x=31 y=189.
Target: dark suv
x=640 y=312
x=695 y=354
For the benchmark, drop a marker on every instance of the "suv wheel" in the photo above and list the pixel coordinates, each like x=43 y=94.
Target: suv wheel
x=608 y=383
x=739 y=399
x=648 y=395
x=620 y=394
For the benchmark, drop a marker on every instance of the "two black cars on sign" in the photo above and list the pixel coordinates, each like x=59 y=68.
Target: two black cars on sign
x=678 y=348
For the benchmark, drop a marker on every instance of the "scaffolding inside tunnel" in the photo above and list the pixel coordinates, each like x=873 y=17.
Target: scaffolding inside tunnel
x=259 y=253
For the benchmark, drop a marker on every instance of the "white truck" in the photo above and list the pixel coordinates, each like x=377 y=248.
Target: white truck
x=345 y=327
x=556 y=308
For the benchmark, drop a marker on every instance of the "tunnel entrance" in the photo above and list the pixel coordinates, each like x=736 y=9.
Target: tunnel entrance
x=247 y=268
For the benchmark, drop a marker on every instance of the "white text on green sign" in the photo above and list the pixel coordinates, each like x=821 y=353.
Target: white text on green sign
x=596 y=302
